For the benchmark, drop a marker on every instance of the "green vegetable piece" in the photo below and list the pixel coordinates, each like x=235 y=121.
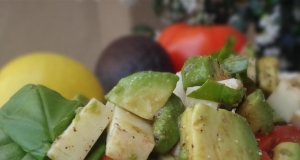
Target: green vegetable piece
x=198 y=69
x=287 y=151
x=226 y=50
x=143 y=93
x=257 y=112
x=208 y=133
x=35 y=116
x=9 y=149
x=82 y=99
x=236 y=64
x=165 y=126
x=216 y=92
x=268 y=73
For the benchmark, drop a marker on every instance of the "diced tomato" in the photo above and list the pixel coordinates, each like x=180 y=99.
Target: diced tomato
x=105 y=157
x=287 y=133
x=265 y=156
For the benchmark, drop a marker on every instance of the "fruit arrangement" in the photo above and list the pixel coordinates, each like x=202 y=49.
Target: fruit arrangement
x=217 y=105
x=197 y=92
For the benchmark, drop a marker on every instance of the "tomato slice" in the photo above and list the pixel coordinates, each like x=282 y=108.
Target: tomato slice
x=287 y=133
x=105 y=157
x=265 y=156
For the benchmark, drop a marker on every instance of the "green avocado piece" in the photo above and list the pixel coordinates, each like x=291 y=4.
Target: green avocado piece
x=257 y=112
x=217 y=92
x=287 y=151
x=143 y=93
x=208 y=133
x=165 y=126
x=198 y=69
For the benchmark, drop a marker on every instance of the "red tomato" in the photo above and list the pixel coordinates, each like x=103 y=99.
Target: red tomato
x=265 y=156
x=182 y=41
x=267 y=142
x=105 y=157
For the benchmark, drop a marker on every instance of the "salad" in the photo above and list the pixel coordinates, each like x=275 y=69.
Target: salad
x=222 y=106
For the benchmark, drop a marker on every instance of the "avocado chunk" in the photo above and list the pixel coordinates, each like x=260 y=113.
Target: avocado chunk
x=207 y=133
x=287 y=151
x=257 y=112
x=268 y=73
x=198 y=69
x=143 y=93
x=165 y=126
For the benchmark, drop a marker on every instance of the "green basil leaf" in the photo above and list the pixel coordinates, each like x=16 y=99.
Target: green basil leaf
x=216 y=92
x=35 y=116
x=11 y=150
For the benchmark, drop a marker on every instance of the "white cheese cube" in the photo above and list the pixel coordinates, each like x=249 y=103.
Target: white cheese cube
x=129 y=137
x=77 y=140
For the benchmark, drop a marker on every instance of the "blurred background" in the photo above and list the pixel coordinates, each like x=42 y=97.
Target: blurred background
x=79 y=29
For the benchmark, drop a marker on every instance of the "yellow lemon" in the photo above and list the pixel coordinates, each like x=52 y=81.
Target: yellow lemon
x=60 y=73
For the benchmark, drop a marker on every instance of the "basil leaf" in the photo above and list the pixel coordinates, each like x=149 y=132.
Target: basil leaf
x=11 y=150
x=216 y=92
x=35 y=116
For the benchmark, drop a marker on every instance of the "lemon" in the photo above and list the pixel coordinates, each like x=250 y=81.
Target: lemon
x=55 y=71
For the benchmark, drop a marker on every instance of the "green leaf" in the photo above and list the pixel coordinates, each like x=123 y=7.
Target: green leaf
x=226 y=50
x=236 y=64
x=216 y=92
x=11 y=150
x=35 y=116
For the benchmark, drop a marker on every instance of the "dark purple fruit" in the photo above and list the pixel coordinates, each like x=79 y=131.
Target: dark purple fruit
x=128 y=55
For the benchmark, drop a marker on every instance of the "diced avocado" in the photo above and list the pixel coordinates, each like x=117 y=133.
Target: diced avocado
x=267 y=73
x=198 y=69
x=287 y=151
x=207 y=133
x=214 y=91
x=165 y=126
x=257 y=112
x=143 y=93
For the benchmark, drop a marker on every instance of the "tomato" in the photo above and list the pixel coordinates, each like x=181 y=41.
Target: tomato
x=105 y=157
x=265 y=156
x=287 y=133
x=182 y=41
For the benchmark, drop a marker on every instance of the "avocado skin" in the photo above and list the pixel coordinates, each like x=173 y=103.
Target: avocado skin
x=287 y=151
x=130 y=54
